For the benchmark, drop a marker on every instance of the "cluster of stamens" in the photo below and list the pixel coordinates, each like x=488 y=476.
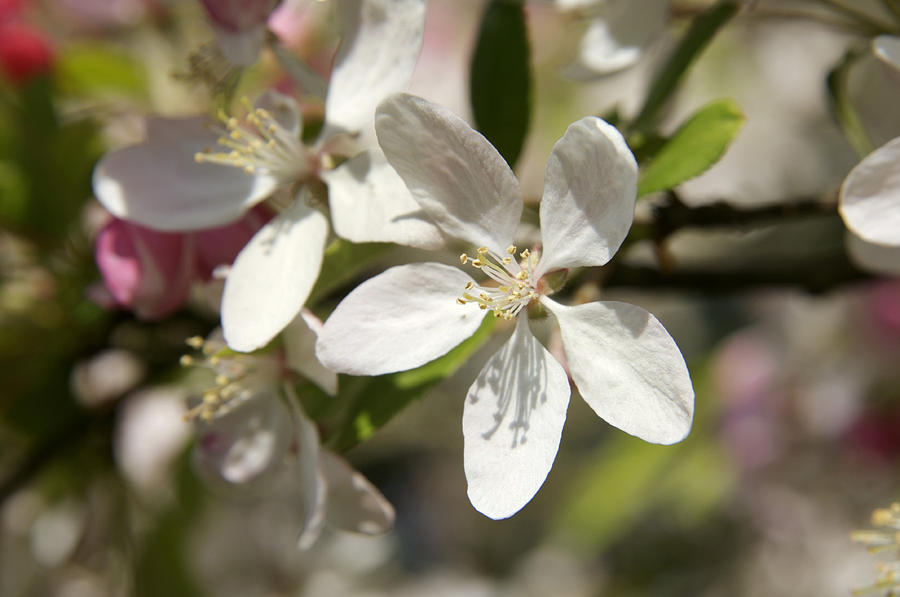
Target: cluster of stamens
x=230 y=375
x=884 y=539
x=516 y=286
x=259 y=144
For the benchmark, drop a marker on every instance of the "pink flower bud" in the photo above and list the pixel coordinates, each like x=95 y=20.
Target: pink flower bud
x=24 y=52
x=151 y=272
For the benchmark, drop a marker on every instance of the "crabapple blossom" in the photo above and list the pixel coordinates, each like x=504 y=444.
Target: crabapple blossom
x=253 y=434
x=176 y=180
x=622 y=360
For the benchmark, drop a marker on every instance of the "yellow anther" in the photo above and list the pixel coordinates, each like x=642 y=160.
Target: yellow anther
x=210 y=397
x=482 y=250
x=524 y=254
x=482 y=307
x=186 y=360
x=477 y=263
x=511 y=249
x=521 y=275
x=506 y=260
x=249 y=169
x=463 y=258
x=882 y=517
x=195 y=342
x=222 y=380
x=198 y=157
x=461 y=301
x=469 y=285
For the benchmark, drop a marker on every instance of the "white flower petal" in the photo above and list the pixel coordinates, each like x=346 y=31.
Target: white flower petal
x=159 y=183
x=283 y=109
x=454 y=173
x=246 y=445
x=272 y=276
x=300 y=351
x=887 y=48
x=590 y=187
x=512 y=422
x=617 y=39
x=870 y=196
x=380 y=46
x=354 y=504
x=240 y=48
x=398 y=320
x=880 y=259
x=370 y=203
x=312 y=478
x=627 y=368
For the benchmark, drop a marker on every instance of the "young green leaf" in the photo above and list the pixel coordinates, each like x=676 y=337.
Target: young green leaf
x=99 y=68
x=500 y=78
x=697 y=144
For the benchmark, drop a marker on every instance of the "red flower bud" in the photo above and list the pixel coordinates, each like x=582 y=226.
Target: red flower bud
x=24 y=52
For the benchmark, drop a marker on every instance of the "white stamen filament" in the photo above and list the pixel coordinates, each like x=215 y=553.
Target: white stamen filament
x=259 y=145
x=516 y=287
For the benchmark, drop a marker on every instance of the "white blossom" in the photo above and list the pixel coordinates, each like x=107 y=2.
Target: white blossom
x=622 y=360
x=189 y=175
x=253 y=435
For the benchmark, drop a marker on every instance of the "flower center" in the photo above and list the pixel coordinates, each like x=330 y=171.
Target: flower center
x=259 y=144
x=237 y=378
x=516 y=284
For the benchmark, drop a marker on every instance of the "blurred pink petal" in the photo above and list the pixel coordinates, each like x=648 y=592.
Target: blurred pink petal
x=151 y=272
x=145 y=270
x=219 y=246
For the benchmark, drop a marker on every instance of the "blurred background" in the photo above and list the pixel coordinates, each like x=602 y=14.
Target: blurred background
x=793 y=348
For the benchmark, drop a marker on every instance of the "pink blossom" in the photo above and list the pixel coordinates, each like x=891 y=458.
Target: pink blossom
x=151 y=272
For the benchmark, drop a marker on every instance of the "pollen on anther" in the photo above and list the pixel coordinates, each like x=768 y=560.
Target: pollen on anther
x=511 y=249
x=463 y=258
x=482 y=250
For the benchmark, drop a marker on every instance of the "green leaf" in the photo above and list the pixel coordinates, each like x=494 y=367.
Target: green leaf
x=698 y=36
x=374 y=401
x=91 y=69
x=697 y=144
x=500 y=78
x=343 y=262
